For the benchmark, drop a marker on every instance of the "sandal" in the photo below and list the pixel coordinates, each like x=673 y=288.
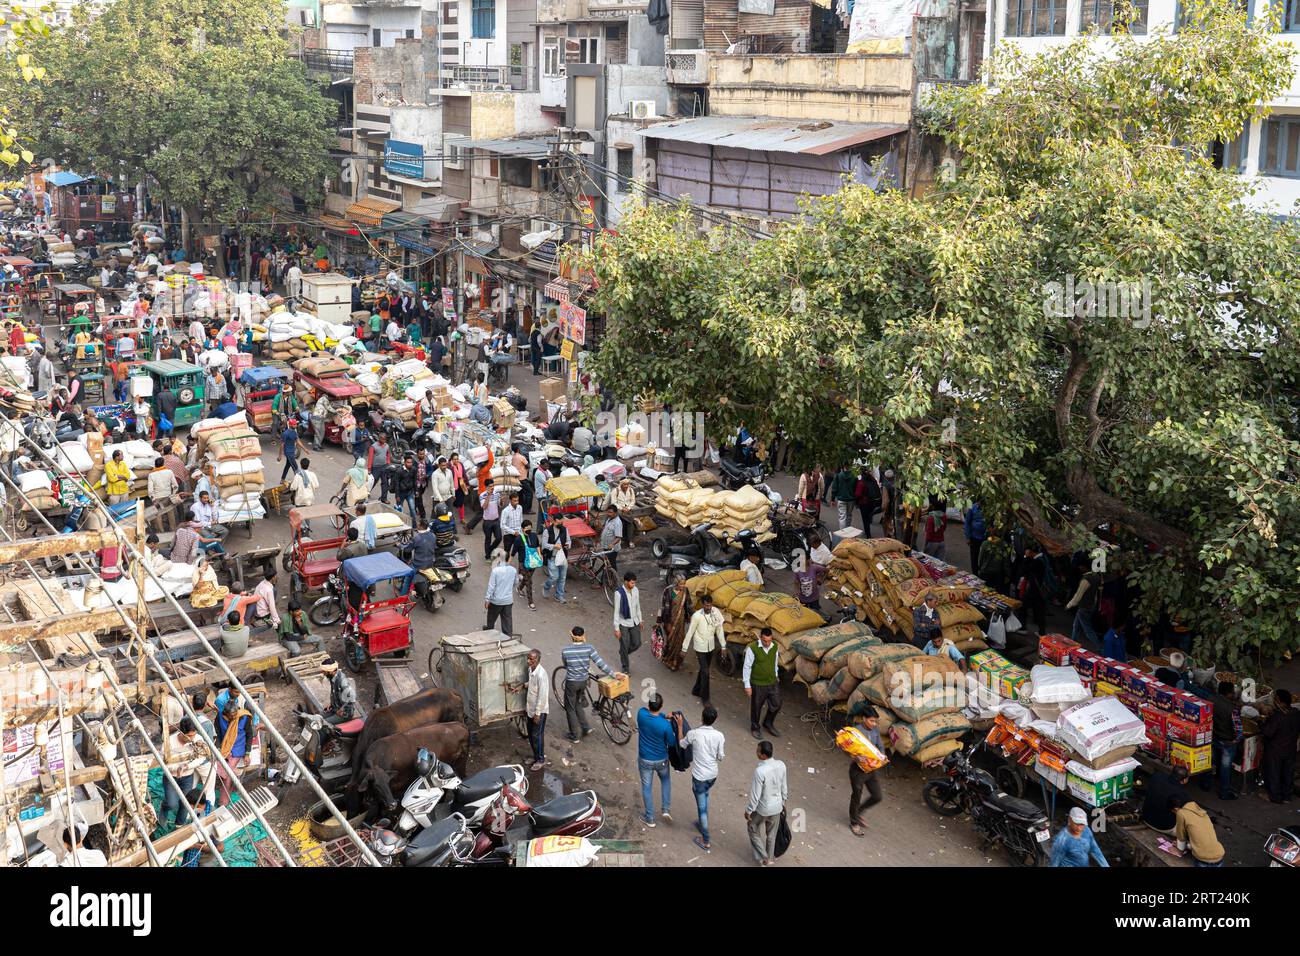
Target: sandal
x=532 y=607
x=701 y=844
x=857 y=829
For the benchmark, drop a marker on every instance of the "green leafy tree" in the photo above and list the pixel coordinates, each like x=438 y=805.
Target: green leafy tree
x=934 y=333
x=198 y=99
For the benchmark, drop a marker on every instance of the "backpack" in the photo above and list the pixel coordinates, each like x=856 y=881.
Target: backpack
x=679 y=754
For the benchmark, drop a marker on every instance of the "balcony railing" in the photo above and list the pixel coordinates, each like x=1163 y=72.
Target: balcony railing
x=688 y=67
x=334 y=62
x=480 y=77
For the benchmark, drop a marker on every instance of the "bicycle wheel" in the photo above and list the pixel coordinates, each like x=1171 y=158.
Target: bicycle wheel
x=614 y=718
x=727 y=661
x=520 y=723
x=608 y=581
x=435 y=665
x=557 y=686
x=327 y=611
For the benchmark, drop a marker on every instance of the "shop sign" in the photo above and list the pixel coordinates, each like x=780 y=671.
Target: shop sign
x=404 y=159
x=566 y=350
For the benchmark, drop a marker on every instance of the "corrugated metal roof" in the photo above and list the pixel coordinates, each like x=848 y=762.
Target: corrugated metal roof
x=814 y=137
x=536 y=148
x=64 y=178
x=371 y=210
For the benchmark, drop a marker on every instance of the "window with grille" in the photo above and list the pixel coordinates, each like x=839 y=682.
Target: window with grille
x=1281 y=156
x=623 y=166
x=1102 y=15
x=1232 y=154
x=483 y=19
x=1035 y=18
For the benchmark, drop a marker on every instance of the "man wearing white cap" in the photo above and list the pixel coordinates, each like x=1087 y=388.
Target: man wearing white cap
x=1075 y=845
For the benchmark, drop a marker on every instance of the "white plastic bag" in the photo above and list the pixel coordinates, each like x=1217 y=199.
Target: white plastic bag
x=1056 y=685
x=1013 y=623
x=997 y=636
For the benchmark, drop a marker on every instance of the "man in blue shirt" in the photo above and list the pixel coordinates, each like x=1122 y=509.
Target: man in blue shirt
x=976 y=531
x=654 y=736
x=288 y=448
x=1075 y=844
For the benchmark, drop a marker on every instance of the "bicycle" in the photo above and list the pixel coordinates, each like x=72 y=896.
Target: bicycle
x=614 y=713
x=595 y=567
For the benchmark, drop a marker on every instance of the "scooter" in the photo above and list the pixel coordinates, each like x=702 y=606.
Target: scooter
x=326 y=749
x=510 y=819
x=703 y=554
x=453 y=560
x=447 y=842
x=1283 y=848
x=428 y=582
x=733 y=474
x=999 y=818
x=437 y=793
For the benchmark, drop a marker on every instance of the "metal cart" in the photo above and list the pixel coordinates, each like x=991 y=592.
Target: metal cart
x=483 y=667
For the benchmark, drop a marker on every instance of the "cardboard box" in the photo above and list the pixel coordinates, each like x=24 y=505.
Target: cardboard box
x=1103 y=792
x=1182 y=731
x=1195 y=759
x=1103 y=688
x=1190 y=707
x=503 y=414
x=1009 y=681
x=1156 y=748
x=613 y=687
x=1154 y=718
x=1113 y=672
x=1138 y=684
x=1250 y=755
x=1056 y=649
x=1085 y=662
x=1057 y=778
x=1162 y=695
x=552 y=389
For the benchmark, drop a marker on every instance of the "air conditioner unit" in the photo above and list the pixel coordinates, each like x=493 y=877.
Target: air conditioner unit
x=642 y=109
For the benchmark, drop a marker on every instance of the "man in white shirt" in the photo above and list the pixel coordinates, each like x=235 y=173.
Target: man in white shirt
x=304 y=485
x=704 y=634
x=393 y=332
x=706 y=743
x=512 y=521
x=768 y=792
x=537 y=707
x=442 y=488
x=627 y=619
x=752 y=574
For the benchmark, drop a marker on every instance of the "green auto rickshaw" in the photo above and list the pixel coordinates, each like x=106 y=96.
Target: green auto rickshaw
x=185 y=381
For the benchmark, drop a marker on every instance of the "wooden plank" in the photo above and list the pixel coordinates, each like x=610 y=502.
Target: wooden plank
x=58 y=625
x=31 y=549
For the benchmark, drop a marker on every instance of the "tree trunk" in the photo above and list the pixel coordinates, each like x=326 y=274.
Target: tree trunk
x=245 y=257
x=185 y=231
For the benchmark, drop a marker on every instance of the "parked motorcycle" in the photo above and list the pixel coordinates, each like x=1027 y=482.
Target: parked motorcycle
x=326 y=750
x=437 y=792
x=999 y=818
x=447 y=842
x=703 y=553
x=733 y=473
x=1283 y=848
x=510 y=819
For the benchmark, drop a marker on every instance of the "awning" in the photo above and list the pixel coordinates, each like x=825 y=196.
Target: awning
x=557 y=289
x=336 y=223
x=761 y=134
x=477 y=248
x=534 y=148
x=370 y=211
x=65 y=178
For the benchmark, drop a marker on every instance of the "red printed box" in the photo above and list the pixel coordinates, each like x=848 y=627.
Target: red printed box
x=1155 y=719
x=1182 y=731
x=1132 y=701
x=1085 y=662
x=1056 y=649
x=1192 y=708
x=1156 y=748
x=1162 y=695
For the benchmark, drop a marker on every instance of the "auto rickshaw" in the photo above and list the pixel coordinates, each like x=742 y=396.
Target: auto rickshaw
x=340 y=390
x=71 y=299
x=260 y=386
x=312 y=559
x=374 y=625
x=183 y=380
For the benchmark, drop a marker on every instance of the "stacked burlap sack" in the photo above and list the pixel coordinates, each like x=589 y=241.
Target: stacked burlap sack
x=40 y=490
x=917 y=697
x=885 y=584
x=231 y=456
x=139 y=457
x=287 y=331
x=684 y=502
x=746 y=609
x=822 y=658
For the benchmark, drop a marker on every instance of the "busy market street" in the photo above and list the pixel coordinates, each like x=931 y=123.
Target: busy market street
x=774 y=434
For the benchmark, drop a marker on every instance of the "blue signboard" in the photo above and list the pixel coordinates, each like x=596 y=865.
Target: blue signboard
x=404 y=159
x=416 y=246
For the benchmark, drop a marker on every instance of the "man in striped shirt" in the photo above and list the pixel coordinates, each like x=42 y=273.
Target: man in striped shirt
x=577 y=659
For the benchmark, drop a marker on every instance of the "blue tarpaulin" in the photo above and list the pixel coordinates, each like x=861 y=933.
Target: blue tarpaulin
x=64 y=178
x=373 y=568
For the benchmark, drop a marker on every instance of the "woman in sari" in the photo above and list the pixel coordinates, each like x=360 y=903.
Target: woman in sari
x=459 y=483
x=206 y=592
x=356 y=485
x=673 y=614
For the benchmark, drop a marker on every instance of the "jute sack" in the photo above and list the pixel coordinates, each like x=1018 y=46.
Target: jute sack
x=818 y=642
x=937 y=751
x=961 y=613
x=820 y=693
x=806 y=670
x=912 y=738
x=867 y=662
x=838 y=656
x=842 y=684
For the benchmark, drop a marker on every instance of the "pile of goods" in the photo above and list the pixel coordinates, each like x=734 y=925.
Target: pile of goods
x=139 y=456
x=885 y=584
x=916 y=696
x=324 y=367
x=42 y=491
x=63 y=255
x=684 y=502
x=294 y=335
x=1179 y=725
x=231 y=456
x=1048 y=718
x=747 y=608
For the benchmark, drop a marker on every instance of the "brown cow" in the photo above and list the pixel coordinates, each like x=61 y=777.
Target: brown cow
x=433 y=706
x=389 y=765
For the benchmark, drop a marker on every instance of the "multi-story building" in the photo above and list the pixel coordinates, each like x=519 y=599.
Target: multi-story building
x=1268 y=150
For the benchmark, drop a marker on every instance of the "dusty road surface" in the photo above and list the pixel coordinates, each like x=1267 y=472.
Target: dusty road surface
x=901 y=831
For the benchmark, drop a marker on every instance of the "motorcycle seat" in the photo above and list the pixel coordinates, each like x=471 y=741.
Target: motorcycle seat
x=430 y=841
x=561 y=809
x=483 y=784
x=1013 y=806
